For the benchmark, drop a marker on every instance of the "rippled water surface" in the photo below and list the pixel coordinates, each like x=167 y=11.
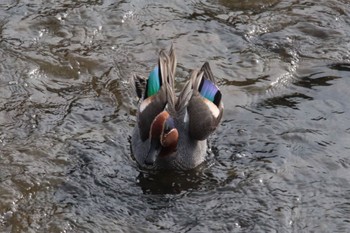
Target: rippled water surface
x=279 y=160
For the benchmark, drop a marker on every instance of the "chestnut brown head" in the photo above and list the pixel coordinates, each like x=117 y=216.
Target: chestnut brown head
x=163 y=137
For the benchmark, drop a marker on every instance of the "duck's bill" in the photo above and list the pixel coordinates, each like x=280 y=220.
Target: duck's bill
x=153 y=152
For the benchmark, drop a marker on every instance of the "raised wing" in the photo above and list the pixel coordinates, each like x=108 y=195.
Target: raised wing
x=205 y=108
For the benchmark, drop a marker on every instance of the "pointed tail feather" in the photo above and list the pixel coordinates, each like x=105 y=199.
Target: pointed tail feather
x=138 y=84
x=207 y=73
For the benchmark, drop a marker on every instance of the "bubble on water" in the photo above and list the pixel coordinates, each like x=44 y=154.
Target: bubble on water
x=62 y=16
x=127 y=15
x=13 y=83
x=95 y=31
x=34 y=73
x=42 y=32
x=7 y=215
x=241 y=155
x=2 y=141
x=210 y=150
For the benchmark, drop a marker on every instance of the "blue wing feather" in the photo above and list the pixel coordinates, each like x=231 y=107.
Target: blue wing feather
x=208 y=90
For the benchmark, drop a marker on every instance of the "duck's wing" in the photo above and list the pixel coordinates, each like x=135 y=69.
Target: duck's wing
x=153 y=91
x=205 y=107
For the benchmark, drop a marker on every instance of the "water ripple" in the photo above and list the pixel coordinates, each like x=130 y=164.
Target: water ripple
x=277 y=162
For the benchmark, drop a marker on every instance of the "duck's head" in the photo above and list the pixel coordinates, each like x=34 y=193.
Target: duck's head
x=163 y=138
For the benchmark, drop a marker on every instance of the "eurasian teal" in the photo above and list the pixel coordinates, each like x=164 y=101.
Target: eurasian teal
x=172 y=131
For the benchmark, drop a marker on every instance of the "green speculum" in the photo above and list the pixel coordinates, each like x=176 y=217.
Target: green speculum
x=153 y=82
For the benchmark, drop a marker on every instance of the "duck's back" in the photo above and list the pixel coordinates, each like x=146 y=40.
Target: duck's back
x=190 y=152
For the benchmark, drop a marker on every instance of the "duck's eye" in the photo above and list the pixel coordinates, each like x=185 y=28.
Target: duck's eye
x=169 y=125
x=167 y=129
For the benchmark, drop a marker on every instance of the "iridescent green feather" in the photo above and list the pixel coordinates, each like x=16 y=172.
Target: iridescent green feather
x=153 y=83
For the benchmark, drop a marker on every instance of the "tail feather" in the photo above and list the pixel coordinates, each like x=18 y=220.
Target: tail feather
x=207 y=73
x=138 y=84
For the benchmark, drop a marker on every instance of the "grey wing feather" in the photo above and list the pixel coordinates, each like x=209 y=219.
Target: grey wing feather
x=170 y=65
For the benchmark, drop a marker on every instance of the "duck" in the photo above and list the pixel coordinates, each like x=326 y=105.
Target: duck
x=172 y=130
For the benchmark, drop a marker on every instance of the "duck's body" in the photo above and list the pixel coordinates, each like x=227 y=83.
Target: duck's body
x=171 y=132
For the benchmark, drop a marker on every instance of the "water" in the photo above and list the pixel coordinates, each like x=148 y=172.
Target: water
x=280 y=159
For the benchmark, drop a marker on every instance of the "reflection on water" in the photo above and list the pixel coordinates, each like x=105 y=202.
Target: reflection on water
x=278 y=162
x=172 y=182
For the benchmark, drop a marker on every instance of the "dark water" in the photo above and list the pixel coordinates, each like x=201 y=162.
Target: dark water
x=280 y=159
